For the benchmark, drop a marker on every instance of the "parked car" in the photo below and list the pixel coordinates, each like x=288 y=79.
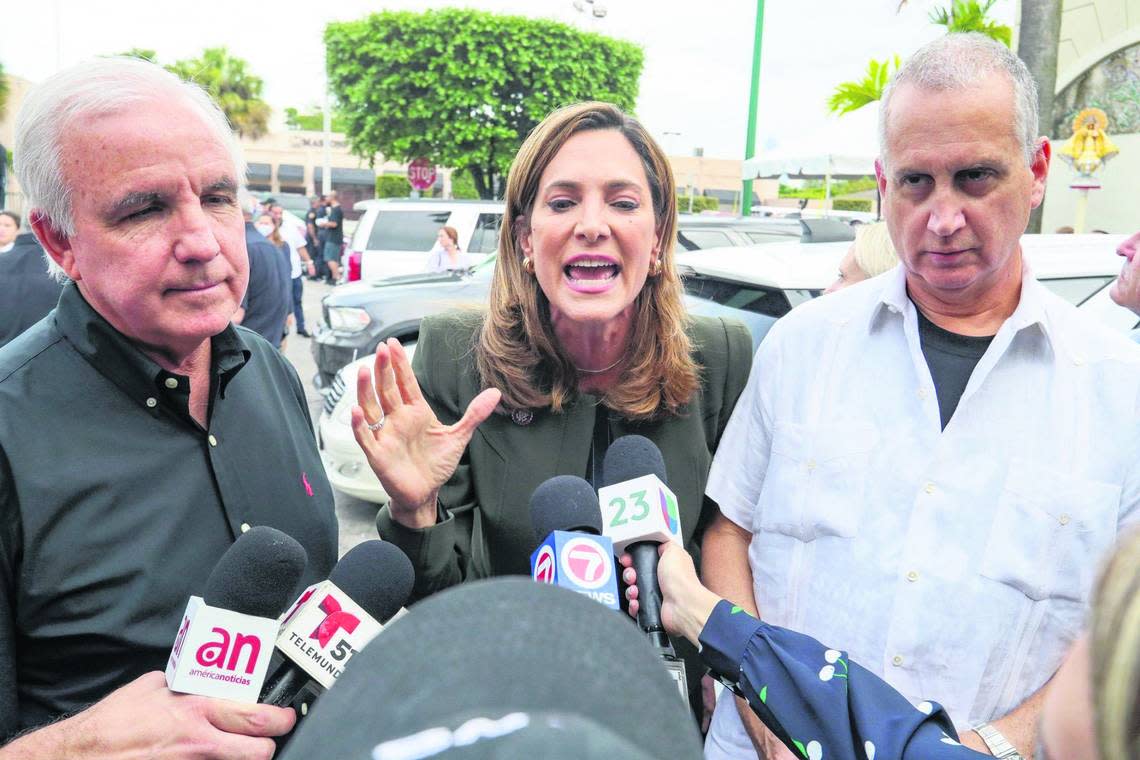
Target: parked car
x=345 y=465
x=394 y=235
x=356 y=316
x=762 y=284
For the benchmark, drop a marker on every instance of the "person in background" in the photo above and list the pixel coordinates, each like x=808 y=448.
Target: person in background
x=268 y=298
x=869 y=256
x=30 y=292
x=585 y=339
x=315 y=238
x=300 y=261
x=1126 y=289
x=446 y=255
x=922 y=465
x=9 y=229
x=141 y=431
x=333 y=225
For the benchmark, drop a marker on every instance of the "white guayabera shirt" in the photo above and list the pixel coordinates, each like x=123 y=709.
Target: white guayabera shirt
x=955 y=564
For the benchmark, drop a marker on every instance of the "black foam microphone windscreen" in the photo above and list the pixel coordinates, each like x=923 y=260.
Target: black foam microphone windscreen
x=258 y=574
x=565 y=502
x=377 y=575
x=632 y=456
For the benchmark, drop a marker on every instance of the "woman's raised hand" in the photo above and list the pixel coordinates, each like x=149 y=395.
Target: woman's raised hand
x=409 y=449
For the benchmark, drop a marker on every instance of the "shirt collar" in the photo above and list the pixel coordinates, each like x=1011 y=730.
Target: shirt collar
x=118 y=359
x=1030 y=307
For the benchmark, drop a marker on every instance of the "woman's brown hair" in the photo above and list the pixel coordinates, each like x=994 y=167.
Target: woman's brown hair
x=517 y=351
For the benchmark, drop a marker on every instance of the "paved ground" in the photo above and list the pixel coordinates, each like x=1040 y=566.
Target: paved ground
x=357 y=517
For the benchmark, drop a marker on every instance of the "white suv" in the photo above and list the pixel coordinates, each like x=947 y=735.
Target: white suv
x=395 y=235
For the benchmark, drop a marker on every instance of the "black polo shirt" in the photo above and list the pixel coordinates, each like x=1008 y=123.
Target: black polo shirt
x=29 y=291
x=115 y=504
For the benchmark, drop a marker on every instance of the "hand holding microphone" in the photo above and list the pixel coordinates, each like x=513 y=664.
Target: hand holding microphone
x=250 y=585
x=639 y=512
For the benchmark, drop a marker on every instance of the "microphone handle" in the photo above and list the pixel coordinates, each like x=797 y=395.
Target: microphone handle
x=284 y=685
x=644 y=554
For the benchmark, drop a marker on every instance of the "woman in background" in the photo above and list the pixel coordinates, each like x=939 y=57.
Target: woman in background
x=446 y=255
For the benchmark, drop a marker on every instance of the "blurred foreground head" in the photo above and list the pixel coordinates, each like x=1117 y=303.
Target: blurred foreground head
x=505 y=668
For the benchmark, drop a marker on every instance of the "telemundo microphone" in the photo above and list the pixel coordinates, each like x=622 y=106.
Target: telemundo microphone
x=334 y=619
x=225 y=641
x=639 y=512
x=572 y=554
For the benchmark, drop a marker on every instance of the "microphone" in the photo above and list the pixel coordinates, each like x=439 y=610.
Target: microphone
x=231 y=628
x=638 y=513
x=333 y=620
x=572 y=553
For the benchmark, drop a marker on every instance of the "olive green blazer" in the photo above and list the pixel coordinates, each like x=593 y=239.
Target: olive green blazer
x=484 y=526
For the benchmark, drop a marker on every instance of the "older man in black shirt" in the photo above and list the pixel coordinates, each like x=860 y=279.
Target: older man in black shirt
x=141 y=431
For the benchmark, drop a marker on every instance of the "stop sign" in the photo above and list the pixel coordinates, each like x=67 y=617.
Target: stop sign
x=421 y=174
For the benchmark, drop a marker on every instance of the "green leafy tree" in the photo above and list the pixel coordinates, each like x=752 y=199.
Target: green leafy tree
x=959 y=16
x=314 y=121
x=144 y=53
x=972 y=16
x=851 y=96
x=464 y=87
x=228 y=81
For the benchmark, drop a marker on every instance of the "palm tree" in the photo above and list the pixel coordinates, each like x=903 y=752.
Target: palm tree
x=851 y=96
x=1037 y=42
x=971 y=16
x=236 y=91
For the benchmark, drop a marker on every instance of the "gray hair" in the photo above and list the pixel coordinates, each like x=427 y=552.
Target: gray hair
x=956 y=61
x=98 y=87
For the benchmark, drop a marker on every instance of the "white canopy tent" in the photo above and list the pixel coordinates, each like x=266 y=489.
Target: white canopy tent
x=826 y=166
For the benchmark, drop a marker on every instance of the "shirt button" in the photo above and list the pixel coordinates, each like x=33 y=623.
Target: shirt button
x=922 y=394
x=171 y=383
x=213 y=441
x=1077 y=360
x=897 y=660
x=152 y=403
x=912 y=576
x=1064 y=519
x=929 y=488
x=245 y=527
x=810 y=465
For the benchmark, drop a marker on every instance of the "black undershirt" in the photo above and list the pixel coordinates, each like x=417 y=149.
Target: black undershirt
x=951 y=358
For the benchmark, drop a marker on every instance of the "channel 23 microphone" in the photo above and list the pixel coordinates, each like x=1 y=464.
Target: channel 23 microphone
x=572 y=553
x=638 y=513
x=226 y=638
x=334 y=619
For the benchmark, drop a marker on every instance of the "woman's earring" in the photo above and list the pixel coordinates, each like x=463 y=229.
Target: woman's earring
x=528 y=265
x=655 y=268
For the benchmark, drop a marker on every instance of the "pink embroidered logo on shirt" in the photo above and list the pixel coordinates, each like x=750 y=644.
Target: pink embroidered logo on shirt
x=305 y=483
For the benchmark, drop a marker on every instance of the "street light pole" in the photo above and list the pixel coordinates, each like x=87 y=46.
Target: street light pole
x=754 y=95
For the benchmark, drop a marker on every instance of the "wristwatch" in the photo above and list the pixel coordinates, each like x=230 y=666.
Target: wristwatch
x=998 y=745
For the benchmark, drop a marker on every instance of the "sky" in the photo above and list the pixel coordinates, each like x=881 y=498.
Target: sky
x=694 y=86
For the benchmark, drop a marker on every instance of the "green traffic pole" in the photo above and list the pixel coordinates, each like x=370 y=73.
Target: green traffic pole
x=754 y=96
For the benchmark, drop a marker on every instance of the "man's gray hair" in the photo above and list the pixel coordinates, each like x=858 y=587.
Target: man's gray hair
x=98 y=87
x=957 y=61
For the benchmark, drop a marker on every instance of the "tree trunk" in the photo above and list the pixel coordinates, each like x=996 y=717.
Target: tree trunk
x=1037 y=45
x=480 y=181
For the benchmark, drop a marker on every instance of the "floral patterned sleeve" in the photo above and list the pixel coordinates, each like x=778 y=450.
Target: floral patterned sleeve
x=819 y=703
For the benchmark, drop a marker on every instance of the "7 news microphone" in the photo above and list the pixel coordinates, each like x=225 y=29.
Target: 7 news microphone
x=572 y=553
x=639 y=512
x=334 y=619
x=225 y=641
